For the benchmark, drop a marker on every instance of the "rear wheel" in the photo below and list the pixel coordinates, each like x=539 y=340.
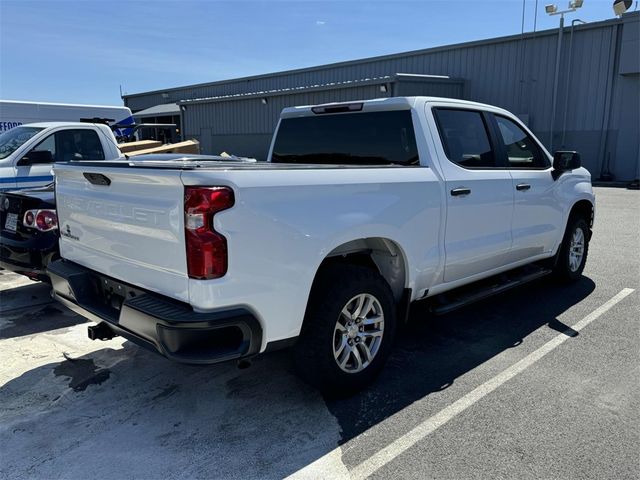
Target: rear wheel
x=348 y=330
x=573 y=251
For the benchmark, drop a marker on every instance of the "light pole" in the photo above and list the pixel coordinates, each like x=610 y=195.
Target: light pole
x=553 y=10
x=568 y=82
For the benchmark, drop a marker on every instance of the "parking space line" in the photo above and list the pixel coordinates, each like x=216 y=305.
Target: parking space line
x=396 y=448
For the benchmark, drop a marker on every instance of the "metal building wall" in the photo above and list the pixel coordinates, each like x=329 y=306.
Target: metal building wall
x=620 y=142
x=408 y=88
x=516 y=73
x=245 y=126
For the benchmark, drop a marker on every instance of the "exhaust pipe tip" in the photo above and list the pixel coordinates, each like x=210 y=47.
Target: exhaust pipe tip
x=101 y=331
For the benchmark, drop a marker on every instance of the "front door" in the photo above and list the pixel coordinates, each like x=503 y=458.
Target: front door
x=29 y=175
x=479 y=195
x=537 y=215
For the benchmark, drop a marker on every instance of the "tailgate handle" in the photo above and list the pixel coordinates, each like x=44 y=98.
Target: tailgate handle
x=97 y=178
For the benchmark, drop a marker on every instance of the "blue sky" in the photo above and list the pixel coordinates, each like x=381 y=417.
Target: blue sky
x=82 y=51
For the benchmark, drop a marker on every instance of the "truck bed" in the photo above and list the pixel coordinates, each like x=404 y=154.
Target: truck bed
x=285 y=220
x=220 y=165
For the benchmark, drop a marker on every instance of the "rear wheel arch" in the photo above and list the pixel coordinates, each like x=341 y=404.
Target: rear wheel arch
x=383 y=255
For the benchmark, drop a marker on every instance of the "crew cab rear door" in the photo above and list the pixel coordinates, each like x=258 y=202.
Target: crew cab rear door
x=479 y=194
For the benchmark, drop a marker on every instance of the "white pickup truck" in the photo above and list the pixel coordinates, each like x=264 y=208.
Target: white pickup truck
x=363 y=208
x=27 y=152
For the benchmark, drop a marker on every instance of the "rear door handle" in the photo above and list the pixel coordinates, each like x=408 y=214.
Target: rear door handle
x=460 y=191
x=523 y=186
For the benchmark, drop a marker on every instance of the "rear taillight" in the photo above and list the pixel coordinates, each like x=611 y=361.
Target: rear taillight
x=43 y=220
x=206 y=248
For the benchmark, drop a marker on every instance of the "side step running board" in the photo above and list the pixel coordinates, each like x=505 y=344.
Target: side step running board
x=447 y=302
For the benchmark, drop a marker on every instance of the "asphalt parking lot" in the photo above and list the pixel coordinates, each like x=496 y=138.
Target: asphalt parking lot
x=540 y=382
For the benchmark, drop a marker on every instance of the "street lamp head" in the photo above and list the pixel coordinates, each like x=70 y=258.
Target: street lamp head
x=550 y=9
x=621 y=6
x=576 y=4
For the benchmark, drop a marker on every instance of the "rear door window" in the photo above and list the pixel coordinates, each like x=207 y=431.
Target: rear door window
x=465 y=137
x=368 y=138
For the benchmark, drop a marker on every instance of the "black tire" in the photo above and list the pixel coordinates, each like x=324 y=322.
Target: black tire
x=563 y=269
x=313 y=353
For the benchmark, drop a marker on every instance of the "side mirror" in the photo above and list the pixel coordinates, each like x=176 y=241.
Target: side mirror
x=564 y=161
x=35 y=157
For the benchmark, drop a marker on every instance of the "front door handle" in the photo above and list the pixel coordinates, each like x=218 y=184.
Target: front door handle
x=460 y=191
x=522 y=187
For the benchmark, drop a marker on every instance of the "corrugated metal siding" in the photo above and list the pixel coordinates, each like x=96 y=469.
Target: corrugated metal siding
x=437 y=63
x=419 y=88
x=514 y=73
x=214 y=123
x=491 y=71
x=250 y=116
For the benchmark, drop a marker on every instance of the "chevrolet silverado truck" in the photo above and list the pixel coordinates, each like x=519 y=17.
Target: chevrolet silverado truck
x=362 y=208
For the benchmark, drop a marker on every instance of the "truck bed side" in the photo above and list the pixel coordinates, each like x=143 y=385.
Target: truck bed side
x=284 y=223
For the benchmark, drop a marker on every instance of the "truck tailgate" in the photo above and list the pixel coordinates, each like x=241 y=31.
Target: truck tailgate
x=125 y=223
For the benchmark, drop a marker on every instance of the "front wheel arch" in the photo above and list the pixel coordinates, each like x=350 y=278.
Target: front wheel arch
x=583 y=209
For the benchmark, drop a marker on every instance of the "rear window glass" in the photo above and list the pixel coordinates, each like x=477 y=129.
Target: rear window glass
x=370 y=138
x=80 y=144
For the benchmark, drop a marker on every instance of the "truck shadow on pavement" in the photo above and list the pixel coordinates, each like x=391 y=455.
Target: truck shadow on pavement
x=432 y=351
x=135 y=414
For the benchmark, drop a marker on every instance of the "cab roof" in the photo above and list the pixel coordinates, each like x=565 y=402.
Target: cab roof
x=378 y=104
x=60 y=124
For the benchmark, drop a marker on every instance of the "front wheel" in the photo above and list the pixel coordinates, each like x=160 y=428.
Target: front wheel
x=348 y=330
x=573 y=251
